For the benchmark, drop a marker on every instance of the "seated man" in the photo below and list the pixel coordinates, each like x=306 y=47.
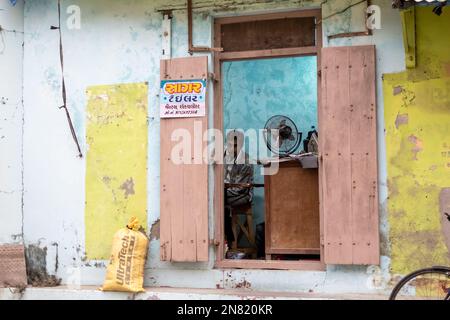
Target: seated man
x=238 y=171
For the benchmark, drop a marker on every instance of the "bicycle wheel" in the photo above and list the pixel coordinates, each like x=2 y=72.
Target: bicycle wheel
x=426 y=284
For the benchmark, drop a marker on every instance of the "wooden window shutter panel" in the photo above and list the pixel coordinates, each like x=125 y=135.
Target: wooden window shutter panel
x=183 y=188
x=348 y=139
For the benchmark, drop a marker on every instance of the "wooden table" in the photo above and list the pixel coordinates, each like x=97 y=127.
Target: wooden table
x=292 y=211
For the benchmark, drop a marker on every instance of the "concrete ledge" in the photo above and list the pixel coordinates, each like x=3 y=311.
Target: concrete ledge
x=92 y=293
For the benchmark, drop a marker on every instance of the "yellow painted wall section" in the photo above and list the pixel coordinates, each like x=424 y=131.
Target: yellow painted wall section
x=417 y=120
x=116 y=174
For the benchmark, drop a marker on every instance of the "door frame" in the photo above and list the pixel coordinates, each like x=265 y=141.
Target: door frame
x=218 y=200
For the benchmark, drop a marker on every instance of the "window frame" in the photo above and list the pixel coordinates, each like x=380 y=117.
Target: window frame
x=218 y=199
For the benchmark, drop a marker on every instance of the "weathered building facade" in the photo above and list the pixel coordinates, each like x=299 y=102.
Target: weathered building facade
x=48 y=194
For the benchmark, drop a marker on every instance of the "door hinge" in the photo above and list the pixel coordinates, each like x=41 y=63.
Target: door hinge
x=212 y=77
x=214 y=242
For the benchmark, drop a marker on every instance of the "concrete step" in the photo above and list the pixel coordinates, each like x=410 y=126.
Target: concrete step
x=93 y=293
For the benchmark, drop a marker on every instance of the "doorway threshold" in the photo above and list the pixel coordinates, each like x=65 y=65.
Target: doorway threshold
x=306 y=265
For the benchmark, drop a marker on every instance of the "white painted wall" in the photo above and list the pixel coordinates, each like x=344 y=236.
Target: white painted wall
x=120 y=41
x=11 y=120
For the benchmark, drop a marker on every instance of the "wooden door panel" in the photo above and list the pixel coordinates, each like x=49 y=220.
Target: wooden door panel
x=183 y=187
x=292 y=210
x=349 y=155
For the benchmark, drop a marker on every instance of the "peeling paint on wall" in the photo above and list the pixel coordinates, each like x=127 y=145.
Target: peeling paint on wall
x=155 y=230
x=402 y=119
x=445 y=216
x=92 y=56
x=417 y=172
x=116 y=184
x=36 y=258
x=417 y=119
x=417 y=146
x=11 y=121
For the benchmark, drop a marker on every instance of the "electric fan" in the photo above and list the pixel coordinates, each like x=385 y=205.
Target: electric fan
x=282 y=136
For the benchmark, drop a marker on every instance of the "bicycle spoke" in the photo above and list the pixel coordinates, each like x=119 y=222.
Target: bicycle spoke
x=427 y=284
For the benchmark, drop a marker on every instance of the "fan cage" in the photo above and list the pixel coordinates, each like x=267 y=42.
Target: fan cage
x=273 y=124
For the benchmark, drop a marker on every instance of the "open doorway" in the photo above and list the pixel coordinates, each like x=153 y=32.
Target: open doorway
x=258 y=93
x=269 y=81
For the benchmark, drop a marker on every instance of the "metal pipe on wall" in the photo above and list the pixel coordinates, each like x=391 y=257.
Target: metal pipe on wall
x=193 y=48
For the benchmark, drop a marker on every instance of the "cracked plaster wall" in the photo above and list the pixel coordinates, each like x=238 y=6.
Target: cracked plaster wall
x=417 y=104
x=11 y=121
x=120 y=42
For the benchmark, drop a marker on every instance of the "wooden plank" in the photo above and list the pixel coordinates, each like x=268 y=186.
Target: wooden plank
x=270 y=16
x=374 y=217
x=175 y=194
x=320 y=116
x=171 y=189
x=185 y=68
x=363 y=147
x=292 y=215
x=199 y=203
x=336 y=156
x=268 y=34
x=184 y=187
x=268 y=217
x=349 y=150
x=165 y=181
x=219 y=201
x=195 y=203
x=307 y=265
x=190 y=207
x=259 y=54
x=307 y=251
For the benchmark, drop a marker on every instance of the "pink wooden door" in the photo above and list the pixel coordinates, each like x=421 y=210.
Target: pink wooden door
x=348 y=139
x=183 y=187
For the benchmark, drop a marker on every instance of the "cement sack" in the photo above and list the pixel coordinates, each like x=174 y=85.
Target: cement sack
x=125 y=271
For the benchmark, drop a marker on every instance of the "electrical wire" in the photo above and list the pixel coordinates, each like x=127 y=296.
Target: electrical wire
x=341 y=11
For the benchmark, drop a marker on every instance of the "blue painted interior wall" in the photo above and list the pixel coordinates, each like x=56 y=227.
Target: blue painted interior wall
x=255 y=90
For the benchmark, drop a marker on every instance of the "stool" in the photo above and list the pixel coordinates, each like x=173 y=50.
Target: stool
x=245 y=228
